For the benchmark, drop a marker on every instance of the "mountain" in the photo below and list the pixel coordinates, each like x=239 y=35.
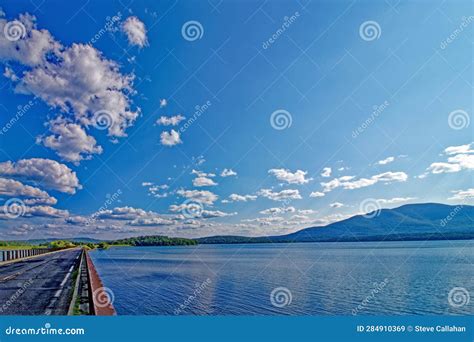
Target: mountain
x=424 y=221
x=76 y=239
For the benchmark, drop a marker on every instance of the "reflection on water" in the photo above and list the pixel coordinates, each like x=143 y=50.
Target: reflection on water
x=297 y=279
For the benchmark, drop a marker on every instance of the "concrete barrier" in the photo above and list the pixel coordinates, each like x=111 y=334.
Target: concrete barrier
x=13 y=254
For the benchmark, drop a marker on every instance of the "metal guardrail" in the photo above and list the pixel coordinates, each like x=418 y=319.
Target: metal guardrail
x=101 y=302
x=12 y=254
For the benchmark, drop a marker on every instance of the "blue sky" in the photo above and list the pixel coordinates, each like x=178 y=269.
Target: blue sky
x=320 y=109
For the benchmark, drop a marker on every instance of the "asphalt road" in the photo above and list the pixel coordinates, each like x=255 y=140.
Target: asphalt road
x=38 y=286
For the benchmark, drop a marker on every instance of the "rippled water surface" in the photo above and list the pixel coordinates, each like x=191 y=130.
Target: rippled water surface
x=305 y=278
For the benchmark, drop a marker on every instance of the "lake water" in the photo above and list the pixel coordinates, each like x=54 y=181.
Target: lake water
x=365 y=278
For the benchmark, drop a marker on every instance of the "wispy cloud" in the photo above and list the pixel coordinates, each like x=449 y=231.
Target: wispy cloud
x=386 y=161
x=462 y=195
x=350 y=182
x=281 y=195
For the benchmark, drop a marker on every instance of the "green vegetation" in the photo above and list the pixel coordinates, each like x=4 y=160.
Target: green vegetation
x=11 y=243
x=154 y=240
x=61 y=244
x=103 y=245
x=16 y=245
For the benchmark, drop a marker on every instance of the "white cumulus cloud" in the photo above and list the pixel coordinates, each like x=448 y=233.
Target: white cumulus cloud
x=317 y=194
x=203 y=181
x=228 y=173
x=203 y=196
x=170 y=120
x=170 y=138
x=285 y=175
x=70 y=141
x=135 y=30
x=326 y=172
x=42 y=172
x=242 y=198
x=77 y=81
